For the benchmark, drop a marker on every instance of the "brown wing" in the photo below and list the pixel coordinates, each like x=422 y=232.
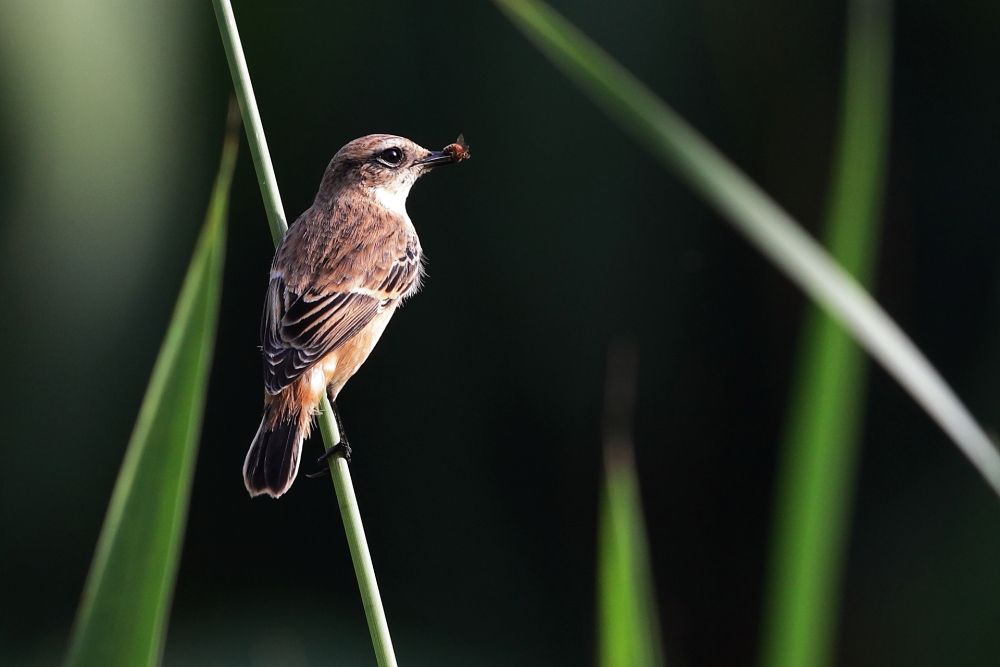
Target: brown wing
x=299 y=329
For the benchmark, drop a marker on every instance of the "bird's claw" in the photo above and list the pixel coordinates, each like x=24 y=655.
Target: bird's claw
x=342 y=447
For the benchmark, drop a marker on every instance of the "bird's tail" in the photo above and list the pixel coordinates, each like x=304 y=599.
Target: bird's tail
x=273 y=460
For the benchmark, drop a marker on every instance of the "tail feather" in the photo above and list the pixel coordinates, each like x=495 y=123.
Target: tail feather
x=273 y=460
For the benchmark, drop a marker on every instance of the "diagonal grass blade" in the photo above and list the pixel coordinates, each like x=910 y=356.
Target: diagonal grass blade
x=126 y=601
x=680 y=147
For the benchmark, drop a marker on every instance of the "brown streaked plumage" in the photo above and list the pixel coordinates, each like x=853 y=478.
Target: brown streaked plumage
x=338 y=276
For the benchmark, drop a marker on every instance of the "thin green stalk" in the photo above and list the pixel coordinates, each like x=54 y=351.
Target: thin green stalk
x=339 y=468
x=817 y=466
x=251 y=119
x=672 y=140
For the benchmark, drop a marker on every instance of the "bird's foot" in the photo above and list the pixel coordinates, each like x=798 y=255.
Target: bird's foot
x=341 y=447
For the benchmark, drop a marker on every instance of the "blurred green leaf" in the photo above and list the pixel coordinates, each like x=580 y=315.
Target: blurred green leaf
x=628 y=626
x=817 y=466
x=126 y=601
x=672 y=140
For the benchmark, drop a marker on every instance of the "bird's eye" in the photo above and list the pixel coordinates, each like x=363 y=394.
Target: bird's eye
x=391 y=156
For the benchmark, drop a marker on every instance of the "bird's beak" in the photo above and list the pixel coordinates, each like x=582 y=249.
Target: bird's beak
x=435 y=158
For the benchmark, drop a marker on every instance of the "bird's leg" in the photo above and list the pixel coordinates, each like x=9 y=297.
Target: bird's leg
x=342 y=446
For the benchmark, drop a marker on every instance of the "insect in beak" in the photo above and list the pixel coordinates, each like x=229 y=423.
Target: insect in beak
x=450 y=154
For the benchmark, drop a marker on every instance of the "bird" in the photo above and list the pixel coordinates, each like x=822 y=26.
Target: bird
x=338 y=276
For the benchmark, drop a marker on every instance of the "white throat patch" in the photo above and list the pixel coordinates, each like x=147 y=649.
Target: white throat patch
x=393 y=201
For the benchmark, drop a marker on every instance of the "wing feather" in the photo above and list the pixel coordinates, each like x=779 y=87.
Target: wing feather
x=300 y=328
x=297 y=335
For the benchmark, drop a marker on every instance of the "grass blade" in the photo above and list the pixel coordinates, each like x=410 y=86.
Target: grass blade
x=628 y=625
x=818 y=461
x=680 y=147
x=340 y=471
x=627 y=621
x=126 y=601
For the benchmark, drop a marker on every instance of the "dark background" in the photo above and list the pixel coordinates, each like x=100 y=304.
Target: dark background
x=476 y=423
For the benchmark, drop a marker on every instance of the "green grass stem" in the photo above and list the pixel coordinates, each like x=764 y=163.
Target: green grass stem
x=251 y=119
x=817 y=465
x=339 y=468
x=125 y=606
x=363 y=568
x=683 y=150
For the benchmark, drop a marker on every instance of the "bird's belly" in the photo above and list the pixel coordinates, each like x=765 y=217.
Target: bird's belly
x=336 y=368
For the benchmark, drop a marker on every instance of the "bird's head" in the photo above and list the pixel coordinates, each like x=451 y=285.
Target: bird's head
x=385 y=167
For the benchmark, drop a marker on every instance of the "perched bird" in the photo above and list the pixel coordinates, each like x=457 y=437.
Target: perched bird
x=338 y=275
